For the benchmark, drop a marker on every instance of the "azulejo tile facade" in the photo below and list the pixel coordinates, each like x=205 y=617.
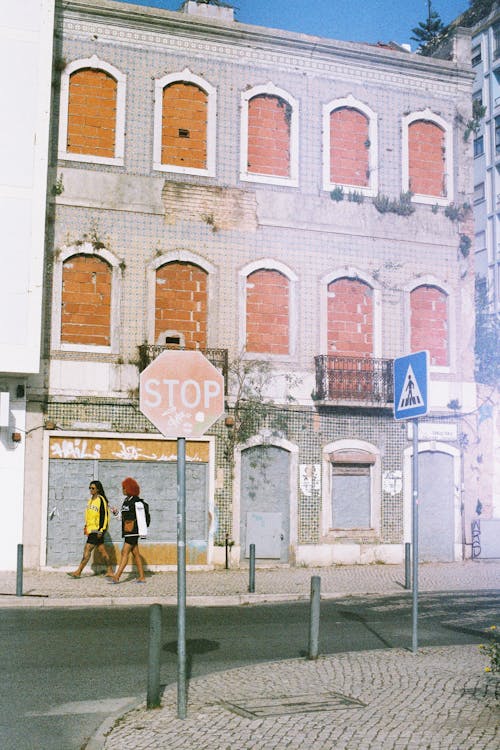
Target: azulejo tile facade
x=254 y=201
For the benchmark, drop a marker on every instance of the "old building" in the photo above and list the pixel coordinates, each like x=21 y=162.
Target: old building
x=295 y=207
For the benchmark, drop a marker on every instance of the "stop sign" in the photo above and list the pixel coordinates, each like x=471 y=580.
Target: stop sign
x=181 y=393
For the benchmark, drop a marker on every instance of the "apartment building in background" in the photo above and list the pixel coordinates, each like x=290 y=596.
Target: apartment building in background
x=296 y=208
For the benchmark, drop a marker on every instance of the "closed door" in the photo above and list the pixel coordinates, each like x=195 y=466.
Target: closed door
x=436 y=517
x=265 y=502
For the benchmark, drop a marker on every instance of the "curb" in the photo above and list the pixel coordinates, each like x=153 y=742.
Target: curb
x=96 y=742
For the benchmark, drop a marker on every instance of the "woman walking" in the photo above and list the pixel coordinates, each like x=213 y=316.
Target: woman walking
x=96 y=524
x=135 y=520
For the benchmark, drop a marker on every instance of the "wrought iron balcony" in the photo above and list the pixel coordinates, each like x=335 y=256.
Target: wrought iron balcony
x=218 y=357
x=354 y=380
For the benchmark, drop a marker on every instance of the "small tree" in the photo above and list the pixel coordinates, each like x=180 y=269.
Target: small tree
x=428 y=31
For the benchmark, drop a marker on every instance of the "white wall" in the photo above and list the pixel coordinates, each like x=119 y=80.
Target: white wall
x=26 y=33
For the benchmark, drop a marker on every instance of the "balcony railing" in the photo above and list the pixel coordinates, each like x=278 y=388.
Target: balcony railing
x=218 y=357
x=362 y=381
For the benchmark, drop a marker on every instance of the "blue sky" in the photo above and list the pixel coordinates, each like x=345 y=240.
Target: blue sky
x=351 y=20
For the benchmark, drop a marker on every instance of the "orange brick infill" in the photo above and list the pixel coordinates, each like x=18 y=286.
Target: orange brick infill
x=92 y=113
x=181 y=302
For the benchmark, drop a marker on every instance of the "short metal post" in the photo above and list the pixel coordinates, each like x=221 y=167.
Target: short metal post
x=314 y=617
x=19 y=571
x=251 y=582
x=407 y=565
x=227 y=551
x=153 y=694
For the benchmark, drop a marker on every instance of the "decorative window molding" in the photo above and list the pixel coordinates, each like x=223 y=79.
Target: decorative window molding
x=116 y=280
x=354 y=274
x=271 y=90
x=185 y=77
x=94 y=63
x=176 y=256
x=428 y=116
x=268 y=264
x=344 y=452
x=350 y=102
x=432 y=281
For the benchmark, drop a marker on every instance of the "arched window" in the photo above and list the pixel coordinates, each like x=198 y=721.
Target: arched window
x=86 y=309
x=181 y=312
x=92 y=121
x=351 y=488
x=427 y=171
x=268 y=311
x=350 y=316
x=86 y=301
x=184 y=128
x=349 y=146
x=269 y=148
x=429 y=323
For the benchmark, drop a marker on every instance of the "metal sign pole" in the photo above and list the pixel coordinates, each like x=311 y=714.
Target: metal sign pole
x=181 y=578
x=414 y=534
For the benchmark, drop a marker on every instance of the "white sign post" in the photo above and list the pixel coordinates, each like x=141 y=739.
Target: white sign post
x=182 y=394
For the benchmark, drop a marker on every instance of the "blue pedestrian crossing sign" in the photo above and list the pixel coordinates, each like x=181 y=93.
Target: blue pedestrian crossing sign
x=411 y=375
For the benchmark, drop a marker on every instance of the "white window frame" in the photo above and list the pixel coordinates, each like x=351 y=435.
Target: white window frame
x=429 y=116
x=354 y=274
x=185 y=77
x=272 y=90
x=268 y=264
x=351 y=103
x=432 y=281
x=116 y=279
x=121 y=81
x=173 y=256
x=361 y=446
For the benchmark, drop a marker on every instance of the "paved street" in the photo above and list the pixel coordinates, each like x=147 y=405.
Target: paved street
x=440 y=698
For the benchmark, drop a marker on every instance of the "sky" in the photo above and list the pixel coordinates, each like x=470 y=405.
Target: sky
x=349 y=20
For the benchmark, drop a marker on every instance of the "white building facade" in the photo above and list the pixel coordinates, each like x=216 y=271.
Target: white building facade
x=26 y=39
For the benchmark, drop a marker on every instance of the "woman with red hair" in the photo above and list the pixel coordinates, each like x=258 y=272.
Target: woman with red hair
x=135 y=520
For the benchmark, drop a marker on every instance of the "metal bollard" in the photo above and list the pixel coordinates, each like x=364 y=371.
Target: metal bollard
x=227 y=551
x=314 y=617
x=19 y=571
x=407 y=566
x=251 y=582
x=153 y=693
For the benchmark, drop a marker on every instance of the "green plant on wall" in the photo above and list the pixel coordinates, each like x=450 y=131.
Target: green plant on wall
x=250 y=381
x=402 y=206
x=337 y=194
x=473 y=125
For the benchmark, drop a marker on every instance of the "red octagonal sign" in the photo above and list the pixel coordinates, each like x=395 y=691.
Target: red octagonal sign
x=181 y=393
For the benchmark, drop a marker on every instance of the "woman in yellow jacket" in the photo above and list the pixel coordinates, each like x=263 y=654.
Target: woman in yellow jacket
x=96 y=524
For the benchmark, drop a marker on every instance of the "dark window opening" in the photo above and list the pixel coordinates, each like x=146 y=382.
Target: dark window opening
x=183 y=133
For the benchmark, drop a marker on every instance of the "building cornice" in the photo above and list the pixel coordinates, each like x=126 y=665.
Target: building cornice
x=320 y=49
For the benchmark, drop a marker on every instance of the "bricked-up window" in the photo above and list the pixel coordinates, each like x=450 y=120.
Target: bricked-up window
x=349 y=147
x=426 y=158
x=269 y=119
x=267 y=312
x=350 y=318
x=181 y=305
x=429 y=323
x=184 y=125
x=86 y=301
x=92 y=113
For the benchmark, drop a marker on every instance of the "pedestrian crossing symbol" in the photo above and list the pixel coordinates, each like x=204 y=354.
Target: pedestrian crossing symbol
x=410 y=395
x=410 y=385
